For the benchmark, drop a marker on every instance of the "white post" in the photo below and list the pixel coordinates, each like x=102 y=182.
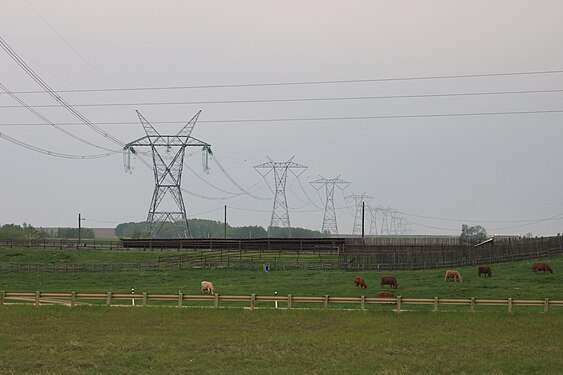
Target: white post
x=276 y=301
x=133 y=299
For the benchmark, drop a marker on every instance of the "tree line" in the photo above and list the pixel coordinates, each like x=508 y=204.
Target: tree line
x=199 y=228
x=202 y=228
x=28 y=232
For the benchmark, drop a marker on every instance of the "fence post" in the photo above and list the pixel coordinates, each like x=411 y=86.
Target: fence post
x=435 y=303
x=72 y=299
x=363 y=303
x=325 y=305
x=180 y=299
x=37 y=296
x=216 y=301
x=252 y=301
x=398 y=304
x=510 y=305
x=145 y=297
x=2 y=297
x=108 y=299
x=289 y=301
x=472 y=304
x=545 y=305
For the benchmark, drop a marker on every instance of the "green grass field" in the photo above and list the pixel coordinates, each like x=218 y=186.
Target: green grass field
x=510 y=280
x=159 y=339
x=152 y=340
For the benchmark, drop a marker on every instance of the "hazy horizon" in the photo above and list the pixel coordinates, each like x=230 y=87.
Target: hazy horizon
x=448 y=113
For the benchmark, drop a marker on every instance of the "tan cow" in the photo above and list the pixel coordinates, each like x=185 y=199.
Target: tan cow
x=452 y=274
x=207 y=286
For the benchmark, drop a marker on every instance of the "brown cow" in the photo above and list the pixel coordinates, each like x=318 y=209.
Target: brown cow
x=452 y=274
x=389 y=280
x=360 y=282
x=385 y=295
x=207 y=286
x=541 y=267
x=484 y=270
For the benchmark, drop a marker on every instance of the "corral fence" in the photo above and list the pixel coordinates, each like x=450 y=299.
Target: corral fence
x=311 y=254
x=356 y=255
x=272 y=301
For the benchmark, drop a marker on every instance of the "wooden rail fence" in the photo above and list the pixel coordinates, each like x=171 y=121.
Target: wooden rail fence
x=73 y=298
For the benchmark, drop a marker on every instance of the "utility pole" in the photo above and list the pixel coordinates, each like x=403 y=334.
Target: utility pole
x=225 y=226
x=363 y=217
x=79 y=230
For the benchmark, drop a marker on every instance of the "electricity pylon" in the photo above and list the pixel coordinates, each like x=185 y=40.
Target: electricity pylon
x=329 y=218
x=359 y=200
x=280 y=213
x=168 y=160
x=373 y=224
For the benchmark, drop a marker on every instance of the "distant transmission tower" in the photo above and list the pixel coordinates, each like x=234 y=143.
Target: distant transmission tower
x=329 y=218
x=359 y=199
x=280 y=213
x=373 y=224
x=168 y=159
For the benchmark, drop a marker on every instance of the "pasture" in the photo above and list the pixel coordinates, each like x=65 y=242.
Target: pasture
x=153 y=339
x=510 y=280
x=156 y=340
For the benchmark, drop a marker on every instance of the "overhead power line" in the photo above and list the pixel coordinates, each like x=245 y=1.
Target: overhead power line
x=52 y=153
x=54 y=94
x=293 y=100
x=49 y=122
x=336 y=118
x=298 y=83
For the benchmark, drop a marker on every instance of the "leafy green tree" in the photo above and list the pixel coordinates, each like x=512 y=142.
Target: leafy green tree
x=253 y=231
x=202 y=228
x=472 y=234
x=278 y=232
x=17 y=232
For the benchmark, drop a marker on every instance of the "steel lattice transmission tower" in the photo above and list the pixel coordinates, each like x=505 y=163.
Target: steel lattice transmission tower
x=280 y=213
x=373 y=224
x=168 y=160
x=329 y=218
x=358 y=199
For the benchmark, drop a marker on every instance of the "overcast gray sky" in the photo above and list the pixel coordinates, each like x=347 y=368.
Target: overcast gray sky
x=502 y=171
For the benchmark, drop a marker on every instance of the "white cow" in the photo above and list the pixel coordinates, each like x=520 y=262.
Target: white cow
x=207 y=286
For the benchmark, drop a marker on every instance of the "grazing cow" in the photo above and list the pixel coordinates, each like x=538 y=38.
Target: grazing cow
x=452 y=274
x=360 y=282
x=484 y=270
x=207 y=286
x=541 y=267
x=389 y=280
x=385 y=295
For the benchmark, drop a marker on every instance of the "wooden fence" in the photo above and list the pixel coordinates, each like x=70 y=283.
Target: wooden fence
x=350 y=254
x=272 y=301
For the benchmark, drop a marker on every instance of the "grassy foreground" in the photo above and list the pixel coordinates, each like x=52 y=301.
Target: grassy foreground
x=151 y=340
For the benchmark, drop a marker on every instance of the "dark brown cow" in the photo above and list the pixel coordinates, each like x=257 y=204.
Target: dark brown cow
x=541 y=267
x=484 y=270
x=360 y=282
x=389 y=280
x=385 y=295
